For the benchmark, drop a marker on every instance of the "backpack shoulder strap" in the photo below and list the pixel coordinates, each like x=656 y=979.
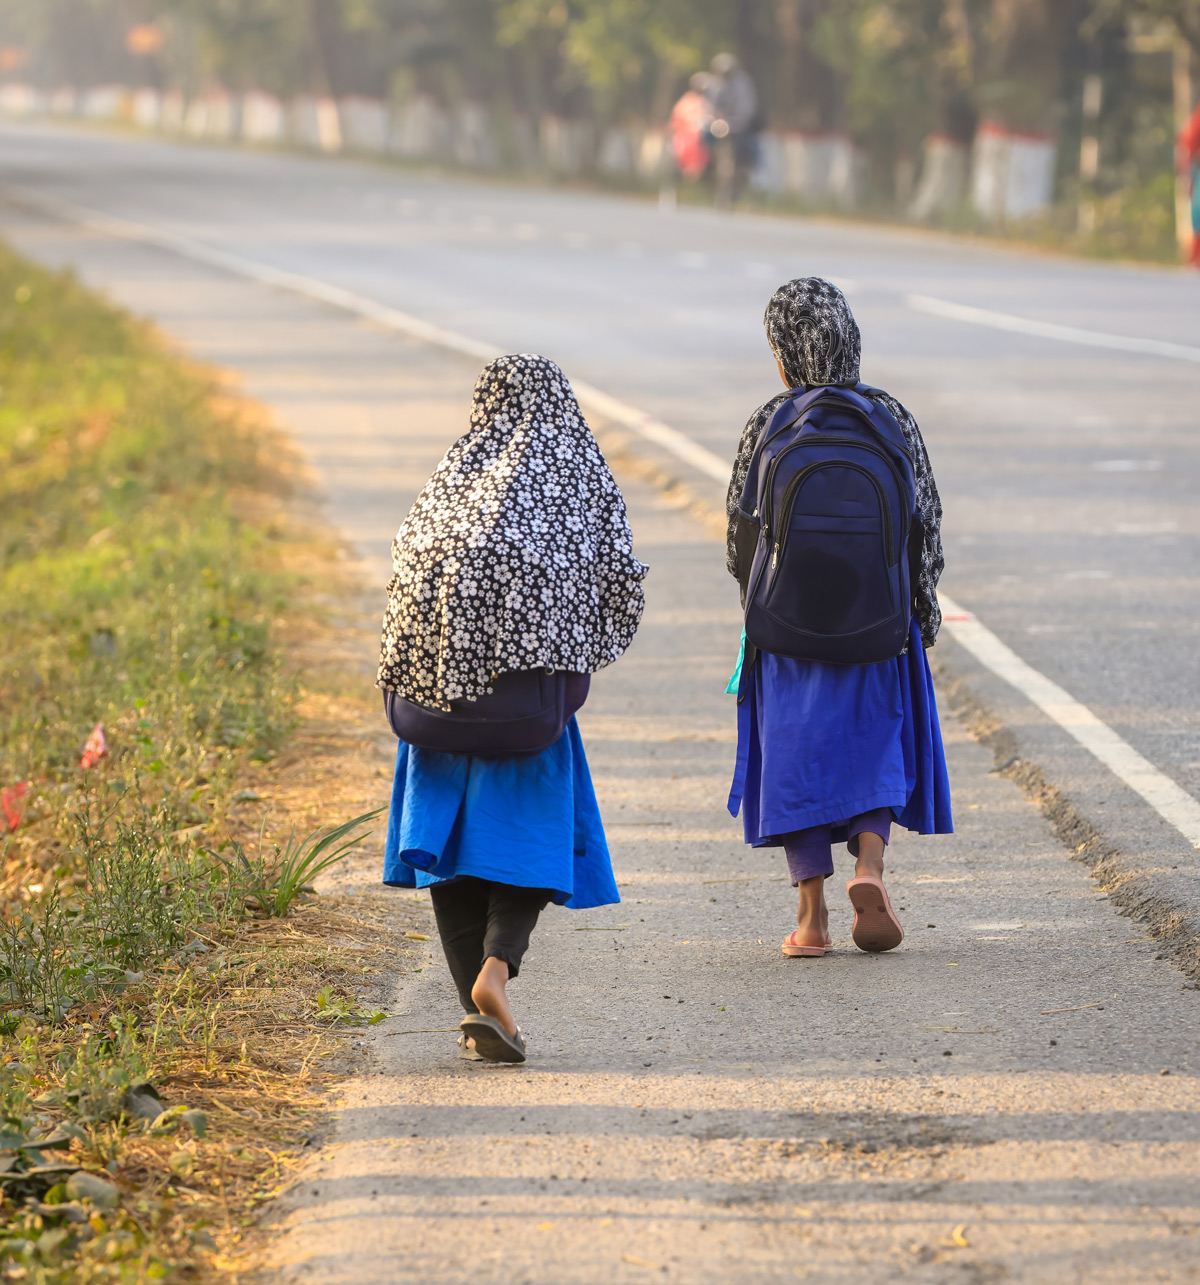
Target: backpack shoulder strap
x=882 y=419
x=787 y=412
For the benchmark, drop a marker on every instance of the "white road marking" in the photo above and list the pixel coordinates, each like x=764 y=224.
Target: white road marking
x=590 y=398
x=1127 y=466
x=1168 y=799
x=1049 y=329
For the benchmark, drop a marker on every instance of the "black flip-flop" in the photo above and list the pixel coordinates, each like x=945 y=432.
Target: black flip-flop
x=492 y=1042
x=465 y=1051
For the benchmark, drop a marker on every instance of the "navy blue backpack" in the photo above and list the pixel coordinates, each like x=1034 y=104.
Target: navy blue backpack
x=828 y=537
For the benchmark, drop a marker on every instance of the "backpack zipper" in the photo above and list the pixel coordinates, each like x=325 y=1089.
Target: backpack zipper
x=761 y=445
x=822 y=439
x=794 y=485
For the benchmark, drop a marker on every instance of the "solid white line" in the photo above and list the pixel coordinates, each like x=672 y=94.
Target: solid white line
x=1049 y=329
x=590 y=398
x=1172 y=803
x=1169 y=800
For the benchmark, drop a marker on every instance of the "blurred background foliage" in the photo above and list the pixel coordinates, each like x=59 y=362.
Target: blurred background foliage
x=887 y=74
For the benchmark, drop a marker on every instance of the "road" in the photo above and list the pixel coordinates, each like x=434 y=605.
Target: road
x=1069 y=472
x=700 y=1108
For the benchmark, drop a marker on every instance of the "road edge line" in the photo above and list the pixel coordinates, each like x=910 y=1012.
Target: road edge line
x=645 y=425
x=1165 y=796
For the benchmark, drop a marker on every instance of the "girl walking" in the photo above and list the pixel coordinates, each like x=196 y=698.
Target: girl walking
x=513 y=572
x=834 y=753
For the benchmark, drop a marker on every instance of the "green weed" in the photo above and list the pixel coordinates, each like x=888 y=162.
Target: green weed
x=142 y=577
x=270 y=884
x=332 y=1007
x=38 y=965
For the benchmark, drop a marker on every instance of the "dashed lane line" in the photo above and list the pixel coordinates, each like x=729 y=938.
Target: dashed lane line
x=1049 y=329
x=1168 y=799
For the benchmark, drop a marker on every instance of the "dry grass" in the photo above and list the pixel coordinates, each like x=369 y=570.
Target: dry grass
x=243 y=1019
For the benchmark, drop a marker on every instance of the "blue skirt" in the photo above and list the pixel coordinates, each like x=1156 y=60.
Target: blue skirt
x=531 y=822
x=818 y=744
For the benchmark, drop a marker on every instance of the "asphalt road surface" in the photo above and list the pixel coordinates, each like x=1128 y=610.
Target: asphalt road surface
x=987 y=1103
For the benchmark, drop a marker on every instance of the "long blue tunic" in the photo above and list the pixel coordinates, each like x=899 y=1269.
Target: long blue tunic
x=818 y=744
x=532 y=822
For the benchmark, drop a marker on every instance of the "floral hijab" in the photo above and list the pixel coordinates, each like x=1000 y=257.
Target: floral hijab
x=518 y=552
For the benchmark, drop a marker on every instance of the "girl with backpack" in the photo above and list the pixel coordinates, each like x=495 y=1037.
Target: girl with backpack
x=514 y=579
x=835 y=538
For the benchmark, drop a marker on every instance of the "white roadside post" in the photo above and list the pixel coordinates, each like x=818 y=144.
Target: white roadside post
x=1089 y=150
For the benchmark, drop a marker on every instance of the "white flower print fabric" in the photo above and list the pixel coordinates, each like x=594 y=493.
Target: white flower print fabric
x=517 y=554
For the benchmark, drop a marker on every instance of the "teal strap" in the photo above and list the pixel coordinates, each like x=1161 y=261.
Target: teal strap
x=736 y=681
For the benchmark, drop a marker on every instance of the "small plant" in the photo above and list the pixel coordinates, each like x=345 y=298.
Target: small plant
x=139 y=902
x=94 y=1079
x=36 y=964
x=332 y=1007
x=271 y=884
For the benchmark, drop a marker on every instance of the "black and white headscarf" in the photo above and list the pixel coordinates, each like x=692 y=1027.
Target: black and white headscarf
x=517 y=554
x=816 y=340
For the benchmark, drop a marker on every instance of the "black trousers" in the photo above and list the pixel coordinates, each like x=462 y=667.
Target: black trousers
x=477 y=920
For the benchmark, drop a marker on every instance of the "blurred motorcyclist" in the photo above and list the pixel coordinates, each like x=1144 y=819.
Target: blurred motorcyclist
x=691 y=118
x=735 y=126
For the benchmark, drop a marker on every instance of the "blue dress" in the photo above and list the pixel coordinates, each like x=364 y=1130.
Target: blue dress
x=818 y=744
x=532 y=822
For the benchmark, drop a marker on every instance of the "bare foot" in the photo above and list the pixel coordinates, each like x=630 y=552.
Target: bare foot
x=490 y=996
x=812 y=918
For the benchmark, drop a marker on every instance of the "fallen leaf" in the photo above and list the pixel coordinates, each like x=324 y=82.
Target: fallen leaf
x=639 y=1262
x=94 y=749
x=957 y=1237
x=416 y=936
x=544 y=1226
x=10 y=802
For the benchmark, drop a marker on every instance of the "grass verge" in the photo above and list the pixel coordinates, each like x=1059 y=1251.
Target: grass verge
x=171 y=996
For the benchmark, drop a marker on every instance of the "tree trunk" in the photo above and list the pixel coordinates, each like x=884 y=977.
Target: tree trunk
x=954 y=73
x=328 y=49
x=1022 y=70
x=808 y=92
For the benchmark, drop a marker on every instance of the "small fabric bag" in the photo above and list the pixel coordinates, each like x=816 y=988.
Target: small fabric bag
x=524 y=714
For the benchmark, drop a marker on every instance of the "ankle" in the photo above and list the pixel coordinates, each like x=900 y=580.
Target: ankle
x=812 y=900
x=868 y=868
x=489 y=993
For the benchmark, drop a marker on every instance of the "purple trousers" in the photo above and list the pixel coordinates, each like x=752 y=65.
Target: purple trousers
x=810 y=852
